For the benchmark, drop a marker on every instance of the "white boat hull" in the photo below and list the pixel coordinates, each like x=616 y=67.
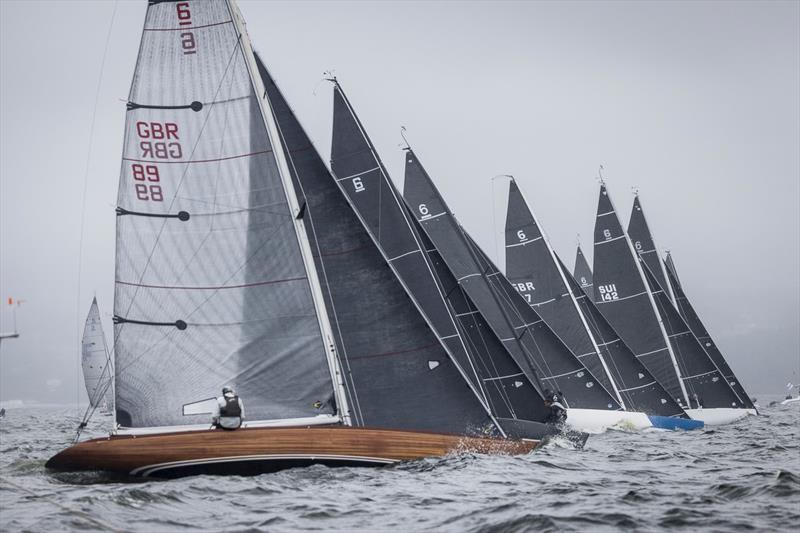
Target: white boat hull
x=787 y=401
x=719 y=416
x=598 y=421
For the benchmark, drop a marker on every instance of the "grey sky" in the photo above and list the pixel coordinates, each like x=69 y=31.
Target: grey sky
x=696 y=103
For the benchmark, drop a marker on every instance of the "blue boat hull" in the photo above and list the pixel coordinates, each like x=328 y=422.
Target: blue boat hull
x=668 y=422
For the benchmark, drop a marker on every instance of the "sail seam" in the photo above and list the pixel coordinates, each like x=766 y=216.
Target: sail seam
x=610 y=240
x=357 y=174
x=268 y=151
x=190 y=27
x=623 y=298
x=639 y=387
x=211 y=287
x=523 y=243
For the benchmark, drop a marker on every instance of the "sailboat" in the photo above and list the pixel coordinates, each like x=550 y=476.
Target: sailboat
x=645 y=246
x=534 y=269
x=628 y=295
x=513 y=404
x=96 y=363
x=583 y=273
x=217 y=284
x=542 y=356
x=689 y=314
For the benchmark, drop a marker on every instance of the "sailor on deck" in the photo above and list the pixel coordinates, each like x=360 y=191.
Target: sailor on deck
x=558 y=414
x=230 y=410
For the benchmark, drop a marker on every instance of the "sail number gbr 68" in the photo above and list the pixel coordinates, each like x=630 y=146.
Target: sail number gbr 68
x=157 y=140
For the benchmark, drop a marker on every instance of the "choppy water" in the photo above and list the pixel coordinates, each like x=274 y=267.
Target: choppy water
x=740 y=476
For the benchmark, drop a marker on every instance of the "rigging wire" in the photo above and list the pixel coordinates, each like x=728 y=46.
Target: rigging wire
x=83 y=203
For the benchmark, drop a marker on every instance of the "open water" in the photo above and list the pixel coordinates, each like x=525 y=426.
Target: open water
x=744 y=476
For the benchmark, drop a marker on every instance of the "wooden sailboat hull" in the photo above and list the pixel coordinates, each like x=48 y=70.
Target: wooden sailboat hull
x=251 y=451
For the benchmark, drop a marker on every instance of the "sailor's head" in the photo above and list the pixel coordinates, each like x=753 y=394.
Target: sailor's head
x=228 y=391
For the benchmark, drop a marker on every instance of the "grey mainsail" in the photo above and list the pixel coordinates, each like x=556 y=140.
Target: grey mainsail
x=698 y=328
x=535 y=348
x=96 y=361
x=644 y=244
x=622 y=296
x=509 y=393
x=396 y=373
x=705 y=383
x=532 y=269
x=583 y=273
x=366 y=185
x=638 y=387
x=212 y=286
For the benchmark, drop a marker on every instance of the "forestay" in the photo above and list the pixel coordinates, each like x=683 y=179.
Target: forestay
x=96 y=362
x=698 y=328
x=211 y=285
x=548 y=361
x=395 y=372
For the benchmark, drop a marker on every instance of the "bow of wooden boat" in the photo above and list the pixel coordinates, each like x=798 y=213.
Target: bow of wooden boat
x=260 y=450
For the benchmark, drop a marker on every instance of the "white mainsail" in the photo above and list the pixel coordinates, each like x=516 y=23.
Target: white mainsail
x=213 y=281
x=96 y=363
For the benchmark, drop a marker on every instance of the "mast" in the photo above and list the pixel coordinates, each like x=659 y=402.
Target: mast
x=567 y=286
x=322 y=315
x=643 y=279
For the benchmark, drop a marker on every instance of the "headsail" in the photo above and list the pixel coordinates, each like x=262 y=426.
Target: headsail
x=698 y=328
x=622 y=296
x=583 y=273
x=532 y=268
x=396 y=373
x=645 y=246
x=366 y=185
x=534 y=347
x=212 y=286
x=705 y=383
x=96 y=362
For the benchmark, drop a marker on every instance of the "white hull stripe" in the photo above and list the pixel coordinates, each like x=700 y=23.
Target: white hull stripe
x=150 y=469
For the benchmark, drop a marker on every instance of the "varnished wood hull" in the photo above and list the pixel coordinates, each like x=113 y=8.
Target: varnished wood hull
x=260 y=450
